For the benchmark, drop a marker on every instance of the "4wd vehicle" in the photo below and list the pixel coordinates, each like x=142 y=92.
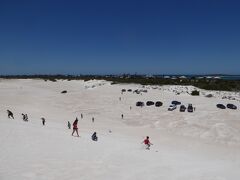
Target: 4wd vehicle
x=158 y=104
x=140 y=104
x=221 y=106
x=123 y=90
x=149 y=103
x=231 y=106
x=176 y=103
x=190 y=108
x=172 y=107
x=182 y=108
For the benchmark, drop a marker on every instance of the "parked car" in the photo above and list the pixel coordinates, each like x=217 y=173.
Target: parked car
x=139 y=103
x=231 y=106
x=172 y=107
x=158 y=104
x=136 y=91
x=149 y=103
x=190 y=108
x=123 y=90
x=182 y=108
x=176 y=103
x=221 y=106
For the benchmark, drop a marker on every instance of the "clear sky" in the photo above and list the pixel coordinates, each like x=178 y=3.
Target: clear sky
x=119 y=36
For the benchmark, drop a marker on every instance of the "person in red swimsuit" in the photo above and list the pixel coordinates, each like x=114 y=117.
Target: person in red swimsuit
x=75 y=128
x=147 y=143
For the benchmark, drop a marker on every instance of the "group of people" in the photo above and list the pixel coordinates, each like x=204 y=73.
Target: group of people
x=24 y=117
x=95 y=138
x=75 y=128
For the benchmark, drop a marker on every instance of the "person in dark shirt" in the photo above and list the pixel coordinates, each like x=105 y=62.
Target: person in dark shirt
x=10 y=114
x=69 y=125
x=43 y=121
x=94 y=136
x=23 y=116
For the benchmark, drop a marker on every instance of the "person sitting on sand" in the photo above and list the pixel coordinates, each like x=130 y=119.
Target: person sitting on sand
x=10 y=114
x=94 y=136
x=75 y=128
x=147 y=143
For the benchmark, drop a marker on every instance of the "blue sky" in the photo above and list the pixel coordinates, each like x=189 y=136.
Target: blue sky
x=111 y=37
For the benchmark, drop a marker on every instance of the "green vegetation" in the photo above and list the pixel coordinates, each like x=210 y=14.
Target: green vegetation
x=208 y=84
x=195 y=93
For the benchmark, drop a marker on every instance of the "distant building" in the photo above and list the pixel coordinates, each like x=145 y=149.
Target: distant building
x=209 y=77
x=166 y=77
x=183 y=77
x=149 y=76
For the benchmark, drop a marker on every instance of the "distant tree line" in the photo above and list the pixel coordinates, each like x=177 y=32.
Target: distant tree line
x=204 y=83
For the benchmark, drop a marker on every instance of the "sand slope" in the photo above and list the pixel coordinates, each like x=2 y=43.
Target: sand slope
x=203 y=145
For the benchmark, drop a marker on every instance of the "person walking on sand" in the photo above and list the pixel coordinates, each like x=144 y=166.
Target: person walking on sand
x=122 y=116
x=147 y=143
x=93 y=119
x=23 y=117
x=10 y=114
x=69 y=125
x=26 y=117
x=75 y=128
x=81 y=116
x=43 y=121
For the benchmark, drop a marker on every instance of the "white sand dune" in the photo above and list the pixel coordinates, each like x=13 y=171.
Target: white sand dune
x=203 y=145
